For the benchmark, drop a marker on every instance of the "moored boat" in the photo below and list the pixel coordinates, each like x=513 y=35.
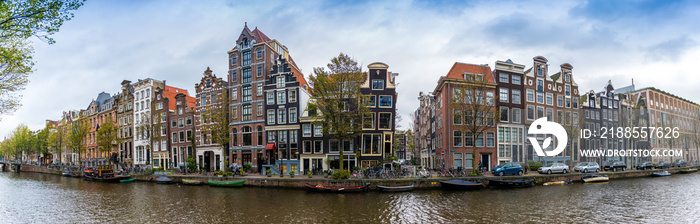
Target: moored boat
x=691 y=170
x=520 y=183
x=237 y=183
x=321 y=188
x=661 y=174
x=590 y=178
x=164 y=180
x=127 y=180
x=461 y=185
x=395 y=189
x=191 y=182
x=103 y=173
x=557 y=182
x=66 y=174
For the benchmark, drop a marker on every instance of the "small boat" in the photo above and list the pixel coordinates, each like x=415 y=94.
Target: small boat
x=66 y=174
x=237 y=183
x=590 y=178
x=164 y=180
x=395 y=189
x=321 y=188
x=557 y=182
x=461 y=185
x=661 y=174
x=127 y=180
x=512 y=183
x=691 y=170
x=191 y=182
x=104 y=173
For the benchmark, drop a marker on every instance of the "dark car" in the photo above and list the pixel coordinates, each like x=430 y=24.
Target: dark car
x=680 y=163
x=645 y=166
x=662 y=165
x=615 y=166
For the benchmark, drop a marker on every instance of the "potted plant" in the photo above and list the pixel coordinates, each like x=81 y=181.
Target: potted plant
x=291 y=173
x=268 y=172
x=308 y=173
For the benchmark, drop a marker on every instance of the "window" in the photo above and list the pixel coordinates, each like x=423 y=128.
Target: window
x=515 y=79
x=540 y=72
x=189 y=135
x=259 y=53
x=246 y=58
x=384 y=120
x=247 y=75
x=208 y=85
x=540 y=85
x=457 y=135
x=293 y=115
x=503 y=77
x=550 y=100
x=292 y=96
x=247 y=93
x=468 y=139
x=504 y=114
x=540 y=112
x=234 y=76
x=281 y=116
x=270 y=98
x=490 y=139
x=568 y=102
x=457 y=117
x=560 y=101
x=247 y=136
x=503 y=96
x=174 y=137
x=173 y=123
x=530 y=95
x=515 y=96
x=180 y=123
x=260 y=109
x=516 y=115
x=377 y=84
x=293 y=137
x=234 y=112
x=318 y=146
x=182 y=136
x=234 y=93
x=270 y=116
x=247 y=112
x=531 y=112
x=540 y=97
x=234 y=59
x=550 y=114
x=259 y=89
x=306 y=130
x=280 y=81
x=368 y=121
x=271 y=136
x=567 y=90
x=281 y=97
x=567 y=78
x=306 y=145
x=479 y=141
x=259 y=133
x=318 y=130
x=385 y=101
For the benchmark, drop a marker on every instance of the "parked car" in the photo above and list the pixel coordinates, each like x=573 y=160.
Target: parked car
x=680 y=163
x=645 y=166
x=615 y=166
x=587 y=167
x=662 y=165
x=508 y=168
x=554 y=168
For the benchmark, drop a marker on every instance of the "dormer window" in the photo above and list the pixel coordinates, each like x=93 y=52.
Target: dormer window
x=567 y=78
x=540 y=72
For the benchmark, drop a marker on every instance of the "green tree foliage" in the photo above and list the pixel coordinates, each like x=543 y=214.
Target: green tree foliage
x=57 y=140
x=217 y=120
x=22 y=140
x=77 y=134
x=338 y=99
x=107 y=136
x=20 y=20
x=41 y=141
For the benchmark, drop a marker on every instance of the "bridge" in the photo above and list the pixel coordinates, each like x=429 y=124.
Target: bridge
x=10 y=165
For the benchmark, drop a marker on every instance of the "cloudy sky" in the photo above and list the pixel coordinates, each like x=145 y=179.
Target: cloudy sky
x=653 y=42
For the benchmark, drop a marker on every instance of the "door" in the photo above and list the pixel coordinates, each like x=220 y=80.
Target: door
x=486 y=162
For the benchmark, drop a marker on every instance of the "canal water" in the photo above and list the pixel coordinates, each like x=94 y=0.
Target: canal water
x=42 y=198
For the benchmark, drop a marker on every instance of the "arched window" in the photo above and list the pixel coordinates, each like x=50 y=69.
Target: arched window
x=247 y=136
x=234 y=138
x=260 y=135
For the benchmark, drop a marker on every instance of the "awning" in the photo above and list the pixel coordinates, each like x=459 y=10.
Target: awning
x=270 y=146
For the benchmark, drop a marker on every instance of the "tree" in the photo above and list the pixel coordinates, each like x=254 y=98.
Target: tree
x=41 y=144
x=338 y=99
x=20 y=20
x=107 y=136
x=573 y=126
x=22 y=140
x=77 y=134
x=218 y=121
x=57 y=140
x=473 y=100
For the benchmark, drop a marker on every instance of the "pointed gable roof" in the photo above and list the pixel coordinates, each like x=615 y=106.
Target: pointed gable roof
x=458 y=69
x=260 y=37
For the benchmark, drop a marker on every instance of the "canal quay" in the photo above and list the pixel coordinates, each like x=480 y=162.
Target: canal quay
x=34 y=197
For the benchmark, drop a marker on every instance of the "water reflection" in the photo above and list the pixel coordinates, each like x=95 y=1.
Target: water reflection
x=40 y=198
